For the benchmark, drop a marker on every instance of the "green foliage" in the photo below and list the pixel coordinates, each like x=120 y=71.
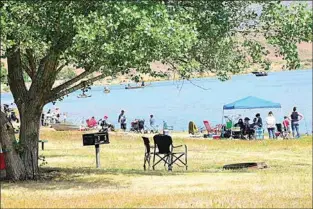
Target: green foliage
x=43 y=159
x=285 y=26
x=116 y=36
x=3 y=74
x=18 y=146
x=66 y=74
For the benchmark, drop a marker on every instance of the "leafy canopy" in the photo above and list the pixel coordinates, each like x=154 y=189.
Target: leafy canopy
x=114 y=37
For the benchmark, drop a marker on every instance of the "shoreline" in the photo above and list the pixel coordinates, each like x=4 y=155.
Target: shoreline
x=125 y=81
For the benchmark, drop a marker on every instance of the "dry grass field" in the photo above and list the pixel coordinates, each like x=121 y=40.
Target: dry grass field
x=70 y=179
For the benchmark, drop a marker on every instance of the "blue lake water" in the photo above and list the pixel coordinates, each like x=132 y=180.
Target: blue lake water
x=179 y=102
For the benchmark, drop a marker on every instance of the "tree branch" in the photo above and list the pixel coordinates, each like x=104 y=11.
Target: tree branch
x=15 y=75
x=74 y=88
x=27 y=69
x=71 y=82
x=31 y=61
x=59 y=69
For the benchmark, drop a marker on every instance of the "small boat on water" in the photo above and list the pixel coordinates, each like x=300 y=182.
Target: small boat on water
x=137 y=87
x=64 y=127
x=134 y=87
x=83 y=96
x=260 y=73
x=106 y=90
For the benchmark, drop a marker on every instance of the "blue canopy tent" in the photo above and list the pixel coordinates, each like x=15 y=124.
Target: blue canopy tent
x=250 y=102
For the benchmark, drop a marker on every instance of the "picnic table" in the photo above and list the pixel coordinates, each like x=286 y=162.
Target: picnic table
x=42 y=141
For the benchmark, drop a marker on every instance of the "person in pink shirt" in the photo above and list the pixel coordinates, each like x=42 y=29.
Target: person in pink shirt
x=92 y=122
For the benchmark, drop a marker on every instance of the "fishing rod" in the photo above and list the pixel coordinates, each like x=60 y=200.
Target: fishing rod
x=306 y=128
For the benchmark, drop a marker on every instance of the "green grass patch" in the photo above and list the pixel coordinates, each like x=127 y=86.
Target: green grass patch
x=70 y=179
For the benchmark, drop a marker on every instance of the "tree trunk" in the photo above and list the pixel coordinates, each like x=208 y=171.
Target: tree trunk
x=15 y=169
x=29 y=135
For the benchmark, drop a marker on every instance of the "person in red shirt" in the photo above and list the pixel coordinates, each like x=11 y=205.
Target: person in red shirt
x=286 y=124
x=92 y=122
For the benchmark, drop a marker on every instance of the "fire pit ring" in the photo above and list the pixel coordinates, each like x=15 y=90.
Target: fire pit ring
x=253 y=165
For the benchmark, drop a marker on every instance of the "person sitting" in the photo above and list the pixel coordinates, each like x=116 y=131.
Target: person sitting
x=247 y=129
x=106 y=89
x=6 y=108
x=105 y=124
x=13 y=117
x=92 y=122
x=240 y=124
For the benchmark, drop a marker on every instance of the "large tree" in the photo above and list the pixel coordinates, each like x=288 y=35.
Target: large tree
x=40 y=37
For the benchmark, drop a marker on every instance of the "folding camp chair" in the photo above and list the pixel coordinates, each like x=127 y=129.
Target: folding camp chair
x=148 y=152
x=209 y=129
x=164 y=149
x=167 y=127
x=236 y=133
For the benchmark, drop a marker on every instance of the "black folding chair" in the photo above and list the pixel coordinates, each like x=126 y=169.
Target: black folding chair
x=148 y=152
x=166 y=153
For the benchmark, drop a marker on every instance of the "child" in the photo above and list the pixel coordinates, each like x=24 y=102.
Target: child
x=286 y=124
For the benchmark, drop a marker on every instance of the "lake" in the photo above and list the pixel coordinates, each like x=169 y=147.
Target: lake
x=178 y=102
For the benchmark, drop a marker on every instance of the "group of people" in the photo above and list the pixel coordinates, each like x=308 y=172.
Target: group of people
x=103 y=123
x=289 y=122
x=10 y=112
x=122 y=120
x=53 y=117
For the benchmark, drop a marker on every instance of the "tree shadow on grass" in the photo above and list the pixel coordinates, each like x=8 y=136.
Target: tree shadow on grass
x=64 y=179
x=99 y=171
x=85 y=171
x=82 y=178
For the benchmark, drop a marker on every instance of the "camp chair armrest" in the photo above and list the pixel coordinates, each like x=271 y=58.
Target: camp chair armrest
x=177 y=146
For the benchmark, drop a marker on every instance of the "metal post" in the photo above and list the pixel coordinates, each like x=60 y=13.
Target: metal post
x=97 y=155
x=222 y=124
x=170 y=160
x=42 y=145
x=223 y=116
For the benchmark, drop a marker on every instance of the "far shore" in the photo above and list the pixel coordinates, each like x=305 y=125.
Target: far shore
x=124 y=80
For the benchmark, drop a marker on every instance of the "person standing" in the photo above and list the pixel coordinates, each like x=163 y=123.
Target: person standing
x=295 y=118
x=286 y=124
x=270 y=123
x=64 y=117
x=122 y=120
x=257 y=121
x=152 y=123
x=57 y=114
